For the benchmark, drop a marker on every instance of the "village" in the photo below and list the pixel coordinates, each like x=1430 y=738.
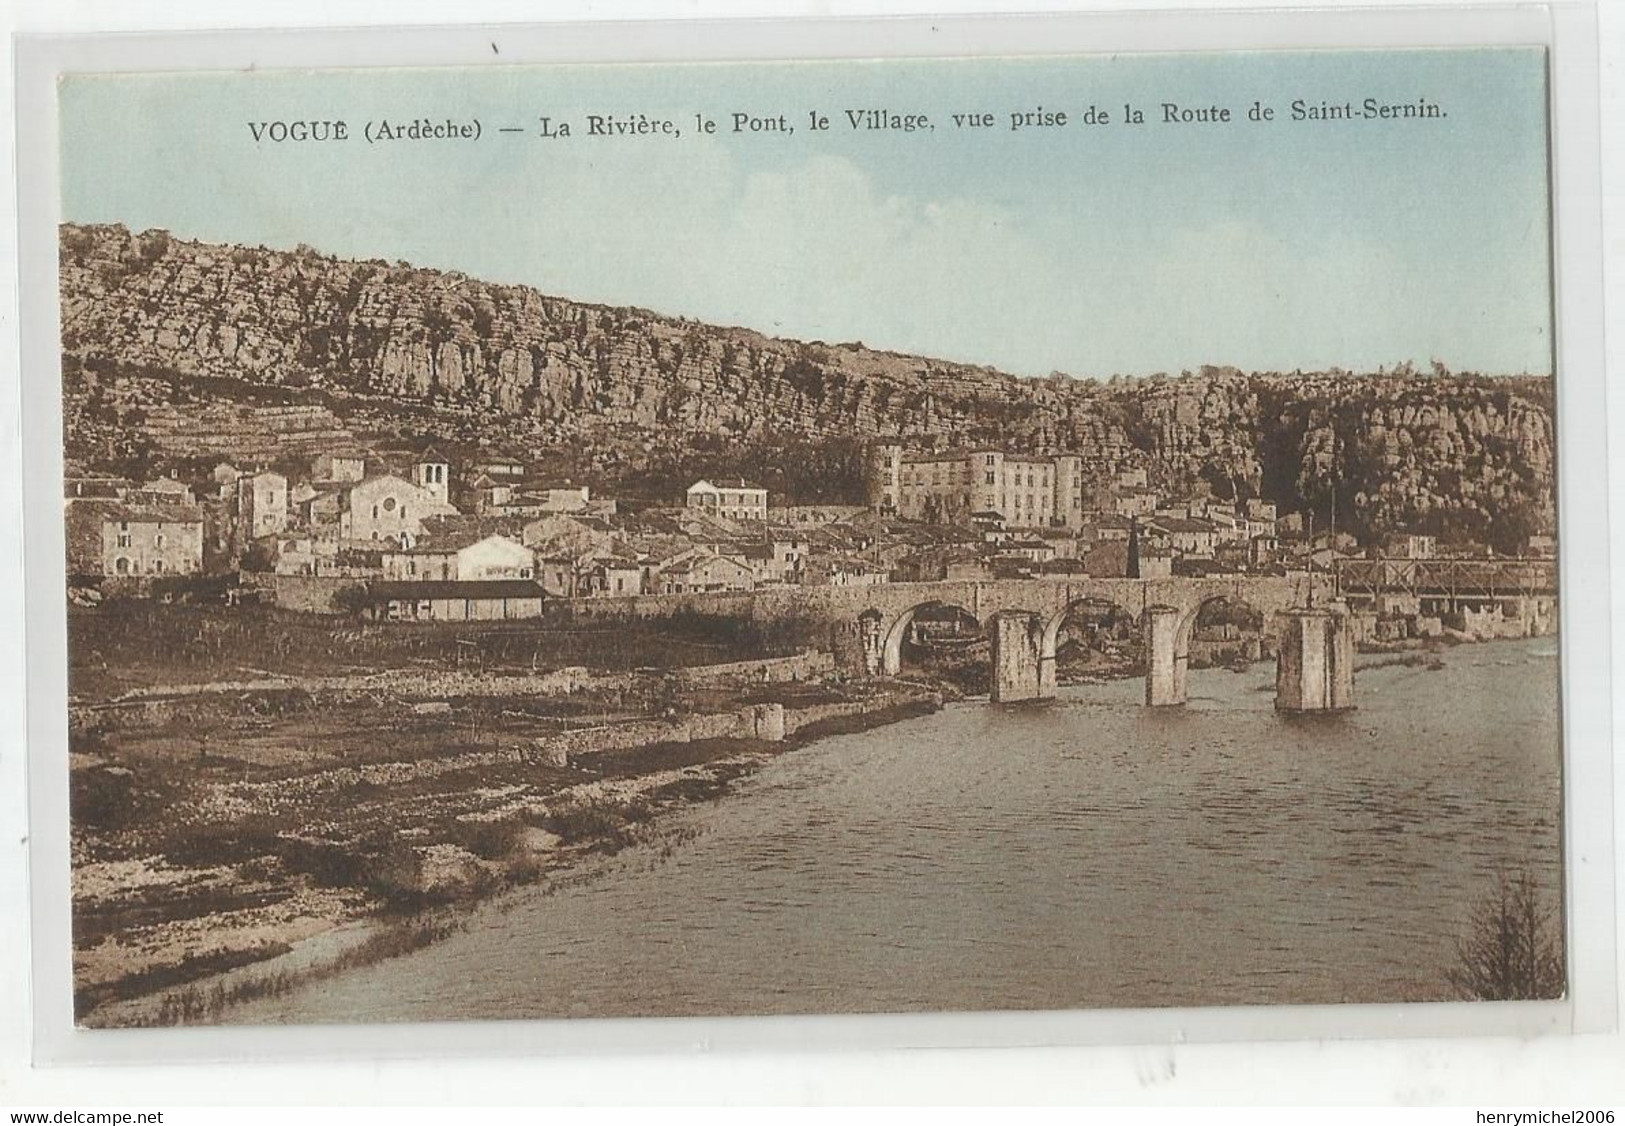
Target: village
x=406 y=535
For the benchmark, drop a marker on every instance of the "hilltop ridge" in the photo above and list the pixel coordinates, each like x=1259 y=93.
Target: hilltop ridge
x=632 y=397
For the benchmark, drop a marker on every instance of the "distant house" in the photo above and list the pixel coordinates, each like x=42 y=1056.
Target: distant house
x=262 y=504
x=322 y=512
x=1541 y=547
x=930 y=565
x=453 y=601
x=504 y=467
x=1131 y=501
x=777 y=560
x=1184 y=536
x=1032 y=550
x=1107 y=527
x=490 y=495
x=83 y=487
x=561 y=534
x=465 y=558
x=225 y=475
x=562 y=498
x=615 y=575
x=1262 y=511
x=845 y=570
x=125 y=541
x=339 y=467
x=734 y=500
x=162 y=491
x=1410 y=545
x=705 y=573
x=817 y=515
x=326 y=558
x=562 y=576
x=1231 y=527
x=1106 y=559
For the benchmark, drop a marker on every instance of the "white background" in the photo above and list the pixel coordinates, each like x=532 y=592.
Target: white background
x=1552 y=1071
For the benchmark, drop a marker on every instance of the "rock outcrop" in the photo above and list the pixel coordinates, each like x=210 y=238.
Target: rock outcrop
x=1396 y=449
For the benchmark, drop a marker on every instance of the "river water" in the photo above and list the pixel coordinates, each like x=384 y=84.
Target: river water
x=1086 y=853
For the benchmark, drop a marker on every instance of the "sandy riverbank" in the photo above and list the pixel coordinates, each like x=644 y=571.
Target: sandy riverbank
x=308 y=832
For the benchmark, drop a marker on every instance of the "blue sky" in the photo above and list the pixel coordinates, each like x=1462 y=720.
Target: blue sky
x=1085 y=249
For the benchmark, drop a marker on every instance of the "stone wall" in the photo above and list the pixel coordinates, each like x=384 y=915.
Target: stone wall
x=313 y=594
x=769 y=670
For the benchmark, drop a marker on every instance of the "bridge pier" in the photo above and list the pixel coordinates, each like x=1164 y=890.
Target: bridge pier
x=1314 y=671
x=1165 y=665
x=1020 y=669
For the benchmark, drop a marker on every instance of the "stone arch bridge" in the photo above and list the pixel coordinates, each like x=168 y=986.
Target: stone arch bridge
x=1023 y=619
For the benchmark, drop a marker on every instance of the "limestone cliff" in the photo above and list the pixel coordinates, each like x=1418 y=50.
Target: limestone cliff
x=639 y=391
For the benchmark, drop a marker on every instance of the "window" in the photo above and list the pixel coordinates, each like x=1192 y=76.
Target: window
x=389 y=504
x=121 y=565
x=158 y=540
x=157 y=566
x=124 y=539
x=990 y=460
x=990 y=480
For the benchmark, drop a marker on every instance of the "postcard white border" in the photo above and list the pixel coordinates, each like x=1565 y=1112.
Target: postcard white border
x=1569 y=31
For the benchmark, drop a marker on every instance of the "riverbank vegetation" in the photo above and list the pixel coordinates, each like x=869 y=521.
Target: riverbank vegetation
x=1513 y=948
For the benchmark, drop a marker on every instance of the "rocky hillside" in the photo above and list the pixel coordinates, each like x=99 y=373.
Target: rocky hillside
x=646 y=396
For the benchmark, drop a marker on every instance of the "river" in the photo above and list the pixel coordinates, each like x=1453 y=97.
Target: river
x=1090 y=852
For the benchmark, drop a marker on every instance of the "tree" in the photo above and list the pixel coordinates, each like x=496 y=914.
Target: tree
x=1511 y=952
x=352 y=600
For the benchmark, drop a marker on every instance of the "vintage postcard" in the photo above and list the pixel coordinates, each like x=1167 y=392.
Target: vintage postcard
x=885 y=536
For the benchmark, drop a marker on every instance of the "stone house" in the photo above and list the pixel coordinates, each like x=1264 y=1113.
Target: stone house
x=1185 y=536
x=1032 y=550
x=735 y=500
x=339 y=467
x=705 y=573
x=146 y=542
x=562 y=534
x=262 y=504
x=162 y=491
x=469 y=557
x=613 y=575
x=560 y=575
x=1410 y=545
x=845 y=570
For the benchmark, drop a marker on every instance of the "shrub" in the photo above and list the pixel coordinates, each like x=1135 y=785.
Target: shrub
x=1512 y=951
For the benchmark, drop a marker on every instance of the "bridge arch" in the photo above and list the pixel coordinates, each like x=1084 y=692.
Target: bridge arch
x=1188 y=626
x=1050 y=649
x=891 y=654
